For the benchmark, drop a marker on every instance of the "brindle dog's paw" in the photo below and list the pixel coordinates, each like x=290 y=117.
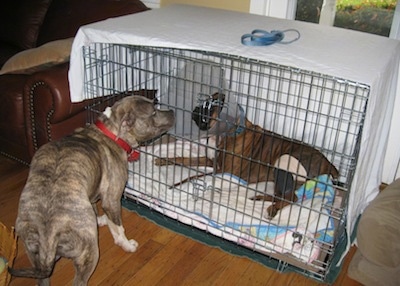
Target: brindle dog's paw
x=127 y=245
x=162 y=162
x=130 y=246
x=102 y=220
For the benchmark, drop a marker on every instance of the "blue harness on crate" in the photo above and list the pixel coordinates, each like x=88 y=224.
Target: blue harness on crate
x=260 y=37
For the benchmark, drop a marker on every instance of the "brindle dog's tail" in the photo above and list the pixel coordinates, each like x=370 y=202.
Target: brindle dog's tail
x=44 y=260
x=32 y=272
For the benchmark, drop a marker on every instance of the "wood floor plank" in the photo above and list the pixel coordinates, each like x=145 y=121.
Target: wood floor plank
x=126 y=268
x=162 y=262
x=109 y=251
x=297 y=280
x=163 y=235
x=64 y=273
x=185 y=265
x=232 y=273
x=257 y=274
x=209 y=269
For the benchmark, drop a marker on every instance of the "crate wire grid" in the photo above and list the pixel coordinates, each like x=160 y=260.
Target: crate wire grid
x=275 y=106
x=322 y=111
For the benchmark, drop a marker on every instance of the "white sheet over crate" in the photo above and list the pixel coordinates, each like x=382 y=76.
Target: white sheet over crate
x=342 y=53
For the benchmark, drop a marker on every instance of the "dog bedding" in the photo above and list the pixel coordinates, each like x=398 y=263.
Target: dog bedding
x=220 y=204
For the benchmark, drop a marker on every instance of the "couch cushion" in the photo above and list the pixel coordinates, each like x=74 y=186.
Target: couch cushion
x=39 y=58
x=369 y=274
x=20 y=21
x=77 y=13
x=379 y=228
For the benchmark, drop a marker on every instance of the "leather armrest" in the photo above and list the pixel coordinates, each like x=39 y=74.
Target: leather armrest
x=47 y=104
x=47 y=92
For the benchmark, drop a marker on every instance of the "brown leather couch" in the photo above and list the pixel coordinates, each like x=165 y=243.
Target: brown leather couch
x=35 y=104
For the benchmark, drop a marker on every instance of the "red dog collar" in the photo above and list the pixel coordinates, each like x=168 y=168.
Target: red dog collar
x=133 y=155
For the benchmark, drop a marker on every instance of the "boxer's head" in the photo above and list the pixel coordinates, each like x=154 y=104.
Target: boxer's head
x=206 y=113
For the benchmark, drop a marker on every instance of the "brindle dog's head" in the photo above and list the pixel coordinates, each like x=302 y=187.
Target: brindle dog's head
x=206 y=113
x=137 y=119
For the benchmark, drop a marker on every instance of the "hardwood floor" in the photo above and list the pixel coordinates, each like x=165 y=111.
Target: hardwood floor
x=163 y=258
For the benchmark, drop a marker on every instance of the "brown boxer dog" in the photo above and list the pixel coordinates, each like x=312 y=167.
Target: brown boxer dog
x=255 y=155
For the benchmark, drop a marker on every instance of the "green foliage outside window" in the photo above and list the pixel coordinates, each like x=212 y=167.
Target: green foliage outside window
x=371 y=16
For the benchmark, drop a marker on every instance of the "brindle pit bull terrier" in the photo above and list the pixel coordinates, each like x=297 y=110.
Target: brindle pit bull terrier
x=255 y=155
x=57 y=210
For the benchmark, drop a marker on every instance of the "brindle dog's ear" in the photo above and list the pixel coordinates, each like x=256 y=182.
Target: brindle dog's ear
x=128 y=119
x=148 y=93
x=125 y=128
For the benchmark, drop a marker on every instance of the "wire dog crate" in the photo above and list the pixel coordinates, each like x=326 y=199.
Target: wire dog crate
x=323 y=112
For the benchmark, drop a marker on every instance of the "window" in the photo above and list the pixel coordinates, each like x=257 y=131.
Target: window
x=371 y=16
x=380 y=17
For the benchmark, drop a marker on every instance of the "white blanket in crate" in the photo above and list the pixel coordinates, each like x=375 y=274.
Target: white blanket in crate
x=220 y=205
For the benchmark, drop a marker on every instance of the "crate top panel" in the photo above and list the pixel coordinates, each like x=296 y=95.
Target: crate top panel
x=347 y=54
